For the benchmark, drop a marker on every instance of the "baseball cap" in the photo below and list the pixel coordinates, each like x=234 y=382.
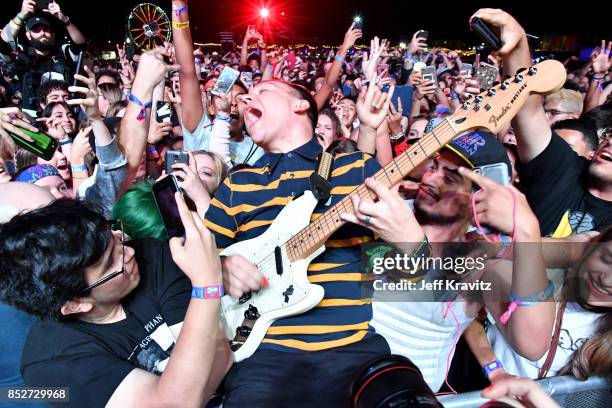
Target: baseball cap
x=480 y=148
x=34 y=21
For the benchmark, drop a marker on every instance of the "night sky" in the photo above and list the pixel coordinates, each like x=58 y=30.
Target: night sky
x=327 y=20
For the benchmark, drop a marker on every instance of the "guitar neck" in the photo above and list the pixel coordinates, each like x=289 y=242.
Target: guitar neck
x=309 y=239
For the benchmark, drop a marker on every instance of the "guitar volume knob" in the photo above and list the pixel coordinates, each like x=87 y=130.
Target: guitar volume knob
x=252 y=313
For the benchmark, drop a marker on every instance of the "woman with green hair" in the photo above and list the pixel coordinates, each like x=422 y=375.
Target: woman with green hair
x=138 y=212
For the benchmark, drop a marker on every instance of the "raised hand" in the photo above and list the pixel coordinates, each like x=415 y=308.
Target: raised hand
x=351 y=36
x=370 y=61
x=89 y=103
x=27 y=8
x=602 y=60
x=152 y=68
x=55 y=10
x=373 y=105
x=417 y=44
x=511 y=32
x=394 y=117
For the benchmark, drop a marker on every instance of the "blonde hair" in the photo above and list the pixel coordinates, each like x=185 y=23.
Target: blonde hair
x=220 y=167
x=571 y=101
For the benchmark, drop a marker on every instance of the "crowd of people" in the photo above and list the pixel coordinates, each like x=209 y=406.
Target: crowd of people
x=96 y=296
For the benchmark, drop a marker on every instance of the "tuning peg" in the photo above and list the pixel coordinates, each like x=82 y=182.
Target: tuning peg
x=491 y=92
x=518 y=78
x=495 y=83
x=532 y=71
x=252 y=313
x=478 y=98
x=468 y=97
x=243 y=331
x=476 y=107
x=465 y=106
x=504 y=86
x=507 y=77
x=520 y=70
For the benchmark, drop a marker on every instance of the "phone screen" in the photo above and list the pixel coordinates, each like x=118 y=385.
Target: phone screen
x=226 y=81
x=486 y=74
x=164 y=191
x=163 y=112
x=429 y=73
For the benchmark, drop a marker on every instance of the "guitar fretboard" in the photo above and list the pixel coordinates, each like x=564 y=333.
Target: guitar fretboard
x=305 y=242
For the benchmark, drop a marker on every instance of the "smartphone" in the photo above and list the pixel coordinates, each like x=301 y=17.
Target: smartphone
x=42 y=4
x=291 y=60
x=163 y=191
x=497 y=172
x=247 y=79
x=358 y=23
x=404 y=93
x=486 y=74
x=173 y=157
x=44 y=146
x=423 y=34
x=429 y=73
x=486 y=34
x=226 y=81
x=163 y=112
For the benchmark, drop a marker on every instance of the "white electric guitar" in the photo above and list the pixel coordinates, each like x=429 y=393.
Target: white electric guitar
x=283 y=252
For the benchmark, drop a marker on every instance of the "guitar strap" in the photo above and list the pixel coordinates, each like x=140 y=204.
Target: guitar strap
x=319 y=181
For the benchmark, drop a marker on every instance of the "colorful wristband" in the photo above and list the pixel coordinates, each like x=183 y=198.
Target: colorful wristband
x=79 y=167
x=490 y=367
x=207 y=292
x=223 y=118
x=340 y=59
x=527 y=301
x=143 y=106
x=66 y=142
x=180 y=25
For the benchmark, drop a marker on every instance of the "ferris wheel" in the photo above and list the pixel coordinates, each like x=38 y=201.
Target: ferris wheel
x=148 y=26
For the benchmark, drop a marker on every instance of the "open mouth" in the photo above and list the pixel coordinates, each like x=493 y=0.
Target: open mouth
x=62 y=165
x=605 y=155
x=252 y=115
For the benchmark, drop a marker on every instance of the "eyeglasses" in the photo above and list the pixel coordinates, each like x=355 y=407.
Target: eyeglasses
x=115 y=225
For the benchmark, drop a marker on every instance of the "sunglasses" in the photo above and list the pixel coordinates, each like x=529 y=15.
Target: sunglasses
x=115 y=225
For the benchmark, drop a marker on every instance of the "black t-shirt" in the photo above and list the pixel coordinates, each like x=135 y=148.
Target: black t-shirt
x=33 y=69
x=556 y=187
x=93 y=359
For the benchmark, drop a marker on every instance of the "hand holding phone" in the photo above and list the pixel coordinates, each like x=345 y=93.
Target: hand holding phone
x=486 y=74
x=429 y=74
x=486 y=34
x=173 y=157
x=226 y=81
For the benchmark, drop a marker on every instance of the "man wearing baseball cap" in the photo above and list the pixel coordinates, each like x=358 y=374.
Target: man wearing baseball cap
x=42 y=59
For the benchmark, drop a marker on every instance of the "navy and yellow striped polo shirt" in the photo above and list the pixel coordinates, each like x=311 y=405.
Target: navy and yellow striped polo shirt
x=248 y=202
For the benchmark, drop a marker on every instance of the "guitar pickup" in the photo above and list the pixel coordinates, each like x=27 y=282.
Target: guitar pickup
x=278 y=257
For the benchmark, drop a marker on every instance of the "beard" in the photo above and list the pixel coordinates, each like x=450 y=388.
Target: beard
x=426 y=217
x=43 y=46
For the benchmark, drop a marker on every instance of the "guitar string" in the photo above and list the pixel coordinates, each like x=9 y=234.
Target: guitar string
x=430 y=140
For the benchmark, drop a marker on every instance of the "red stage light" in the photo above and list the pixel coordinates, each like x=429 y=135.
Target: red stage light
x=264 y=13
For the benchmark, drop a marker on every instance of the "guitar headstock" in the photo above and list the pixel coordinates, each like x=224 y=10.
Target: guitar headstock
x=496 y=106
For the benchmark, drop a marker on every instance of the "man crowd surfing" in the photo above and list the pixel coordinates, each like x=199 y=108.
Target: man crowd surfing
x=96 y=294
